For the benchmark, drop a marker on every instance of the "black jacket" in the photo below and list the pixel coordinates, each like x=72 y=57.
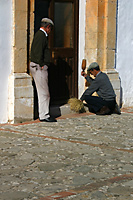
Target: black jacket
x=40 y=53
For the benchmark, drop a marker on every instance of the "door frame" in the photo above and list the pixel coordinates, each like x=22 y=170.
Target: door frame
x=31 y=12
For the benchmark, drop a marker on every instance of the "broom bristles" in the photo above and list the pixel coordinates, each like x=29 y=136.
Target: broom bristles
x=76 y=105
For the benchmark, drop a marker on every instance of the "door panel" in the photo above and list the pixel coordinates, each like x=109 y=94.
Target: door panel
x=64 y=24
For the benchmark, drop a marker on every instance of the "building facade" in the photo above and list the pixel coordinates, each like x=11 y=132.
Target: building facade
x=104 y=29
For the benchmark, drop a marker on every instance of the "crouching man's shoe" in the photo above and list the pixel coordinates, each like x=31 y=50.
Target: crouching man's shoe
x=103 y=111
x=117 y=109
x=49 y=119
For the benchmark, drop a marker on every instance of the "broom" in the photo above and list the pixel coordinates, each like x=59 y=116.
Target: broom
x=76 y=105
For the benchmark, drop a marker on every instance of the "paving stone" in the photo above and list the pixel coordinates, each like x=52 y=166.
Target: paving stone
x=129 y=183
x=15 y=195
x=51 y=166
x=98 y=195
x=128 y=167
x=97 y=175
x=81 y=180
x=84 y=169
x=119 y=190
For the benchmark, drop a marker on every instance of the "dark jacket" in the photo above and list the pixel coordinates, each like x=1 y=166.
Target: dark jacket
x=40 y=53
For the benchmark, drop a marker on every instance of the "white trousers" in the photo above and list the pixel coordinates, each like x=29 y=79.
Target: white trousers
x=41 y=80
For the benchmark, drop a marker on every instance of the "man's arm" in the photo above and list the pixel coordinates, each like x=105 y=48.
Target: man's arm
x=87 y=77
x=91 y=89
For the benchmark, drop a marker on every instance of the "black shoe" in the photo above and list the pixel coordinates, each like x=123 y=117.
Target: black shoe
x=49 y=119
x=117 y=109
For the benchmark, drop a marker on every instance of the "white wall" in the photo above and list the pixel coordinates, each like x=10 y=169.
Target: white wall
x=124 y=56
x=81 y=82
x=5 y=55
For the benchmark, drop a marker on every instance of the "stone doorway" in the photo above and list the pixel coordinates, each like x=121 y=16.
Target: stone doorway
x=63 y=44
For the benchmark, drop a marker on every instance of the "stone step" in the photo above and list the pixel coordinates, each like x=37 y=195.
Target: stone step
x=57 y=110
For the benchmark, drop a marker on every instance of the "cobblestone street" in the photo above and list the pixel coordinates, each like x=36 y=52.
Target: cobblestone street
x=81 y=157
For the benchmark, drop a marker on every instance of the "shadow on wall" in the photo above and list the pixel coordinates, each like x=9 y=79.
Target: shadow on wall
x=59 y=73
x=121 y=94
x=36 y=114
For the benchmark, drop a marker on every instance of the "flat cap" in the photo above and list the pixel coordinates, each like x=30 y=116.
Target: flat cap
x=92 y=66
x=47 y=20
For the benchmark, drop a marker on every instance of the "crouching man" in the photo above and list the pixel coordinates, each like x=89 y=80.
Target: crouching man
x=105 y=102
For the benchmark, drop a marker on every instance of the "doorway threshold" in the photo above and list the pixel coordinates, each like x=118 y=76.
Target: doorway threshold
x=59 y=108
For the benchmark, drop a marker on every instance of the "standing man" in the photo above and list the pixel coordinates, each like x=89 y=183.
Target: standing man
x=105 y=102
x=40 y=60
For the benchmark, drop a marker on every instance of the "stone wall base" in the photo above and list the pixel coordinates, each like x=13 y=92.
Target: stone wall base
x=20 y=98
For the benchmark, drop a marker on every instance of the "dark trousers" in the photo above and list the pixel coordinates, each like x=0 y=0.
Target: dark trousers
x=96 y=103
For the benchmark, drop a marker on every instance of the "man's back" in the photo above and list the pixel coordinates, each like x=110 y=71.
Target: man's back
x=105 y=89
x=39 y=49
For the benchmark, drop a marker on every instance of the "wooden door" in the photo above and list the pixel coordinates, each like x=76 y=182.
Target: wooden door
x=63 y=43
x=63 y=72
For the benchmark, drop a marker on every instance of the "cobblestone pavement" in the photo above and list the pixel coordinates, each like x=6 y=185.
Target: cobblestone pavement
x=81 y=157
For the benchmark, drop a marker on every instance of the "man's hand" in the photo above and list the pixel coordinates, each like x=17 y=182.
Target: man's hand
x=88 y=73
x=83 y=74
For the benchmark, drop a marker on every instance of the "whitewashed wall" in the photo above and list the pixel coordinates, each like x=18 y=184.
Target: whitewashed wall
x=124 y=56
x=5 y=55
x=81 y=83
